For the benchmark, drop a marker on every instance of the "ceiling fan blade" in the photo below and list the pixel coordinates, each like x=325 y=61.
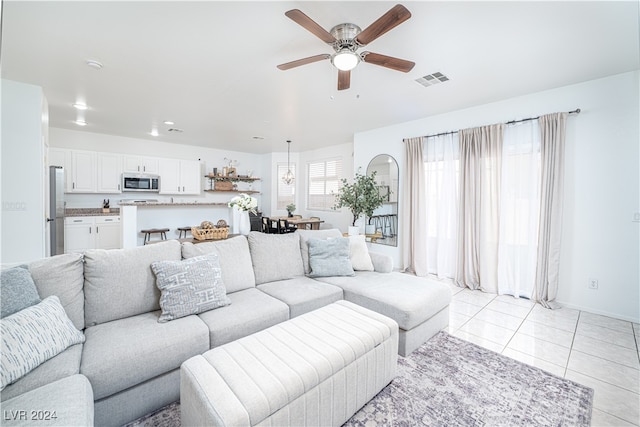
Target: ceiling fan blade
x=310 y=25
x=344 y=79
x=303 y=61
x=387 y=61
x=394 y=17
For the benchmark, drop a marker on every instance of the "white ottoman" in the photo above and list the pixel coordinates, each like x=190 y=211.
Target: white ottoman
x=317 y=369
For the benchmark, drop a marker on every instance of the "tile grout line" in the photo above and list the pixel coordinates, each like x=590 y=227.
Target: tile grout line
x=519 y=326
x=573 y=339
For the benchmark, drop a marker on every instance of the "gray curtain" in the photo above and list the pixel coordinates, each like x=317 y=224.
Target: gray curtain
x=478 y=214
x=414 y=209
x=552 y=141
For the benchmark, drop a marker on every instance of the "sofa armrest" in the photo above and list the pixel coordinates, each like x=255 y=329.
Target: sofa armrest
x=381 y=263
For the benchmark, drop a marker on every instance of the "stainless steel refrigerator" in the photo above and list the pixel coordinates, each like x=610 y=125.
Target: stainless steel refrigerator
x=56 y=209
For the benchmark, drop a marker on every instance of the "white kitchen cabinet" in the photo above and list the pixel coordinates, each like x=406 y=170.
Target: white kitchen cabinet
x=180 y=176
x=83 y=171
x=62 y=157
x=109 y=172
x=141 y=164
x=82 y=233
x=108 y=234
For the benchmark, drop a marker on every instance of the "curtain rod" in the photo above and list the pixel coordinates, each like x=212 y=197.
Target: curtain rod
x=512 y=122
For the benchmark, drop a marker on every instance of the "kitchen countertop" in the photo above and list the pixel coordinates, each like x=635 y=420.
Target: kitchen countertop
x=90 y=212
x=150 y=204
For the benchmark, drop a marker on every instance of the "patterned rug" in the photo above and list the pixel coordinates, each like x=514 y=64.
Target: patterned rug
x=451 y=382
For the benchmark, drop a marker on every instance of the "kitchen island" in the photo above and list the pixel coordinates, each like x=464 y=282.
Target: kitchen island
x=139 y=215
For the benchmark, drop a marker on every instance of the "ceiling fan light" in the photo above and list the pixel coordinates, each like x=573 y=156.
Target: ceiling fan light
x=345 y=60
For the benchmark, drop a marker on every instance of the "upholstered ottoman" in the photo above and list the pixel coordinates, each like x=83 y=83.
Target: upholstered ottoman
x=319 y=369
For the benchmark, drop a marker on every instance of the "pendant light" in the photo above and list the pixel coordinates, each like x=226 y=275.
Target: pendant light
x=288 y=177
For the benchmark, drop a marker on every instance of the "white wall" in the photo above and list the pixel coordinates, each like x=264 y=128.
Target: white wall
x=602 y=183
x=23 y=173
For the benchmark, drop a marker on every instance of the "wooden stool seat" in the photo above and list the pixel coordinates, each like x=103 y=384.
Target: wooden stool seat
x=184 y=230
x=161 y=231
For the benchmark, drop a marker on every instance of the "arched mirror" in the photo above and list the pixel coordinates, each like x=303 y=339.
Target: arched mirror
x=382 y=226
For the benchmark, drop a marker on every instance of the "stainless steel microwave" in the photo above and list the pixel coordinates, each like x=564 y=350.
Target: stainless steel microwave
x=140 y=182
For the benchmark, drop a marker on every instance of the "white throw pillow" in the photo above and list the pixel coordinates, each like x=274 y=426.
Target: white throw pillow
x=359 y=253
x=34 y=335
x=189 y=286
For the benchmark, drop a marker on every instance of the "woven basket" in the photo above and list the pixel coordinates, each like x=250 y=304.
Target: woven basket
x=210 y=233
x=223 y=185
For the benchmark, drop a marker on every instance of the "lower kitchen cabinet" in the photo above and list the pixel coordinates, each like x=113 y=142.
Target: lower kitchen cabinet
x=82 y=233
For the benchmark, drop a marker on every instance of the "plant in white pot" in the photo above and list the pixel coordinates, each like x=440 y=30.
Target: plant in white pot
x=243 y=204
x=360 y=197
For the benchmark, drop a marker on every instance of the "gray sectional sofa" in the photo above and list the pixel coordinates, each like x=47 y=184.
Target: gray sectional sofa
x=132 y=362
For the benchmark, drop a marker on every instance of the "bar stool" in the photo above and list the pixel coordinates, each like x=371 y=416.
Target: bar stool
x=147 y=234
x=184 y=230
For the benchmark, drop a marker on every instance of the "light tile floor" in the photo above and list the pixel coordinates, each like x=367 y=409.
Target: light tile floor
x=597 y=351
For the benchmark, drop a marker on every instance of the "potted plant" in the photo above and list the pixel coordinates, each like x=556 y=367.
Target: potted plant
x=243 y=204
x=290 y=209
x=361 y=197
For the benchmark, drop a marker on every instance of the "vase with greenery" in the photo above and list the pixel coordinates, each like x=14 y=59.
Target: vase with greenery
x=290 y=209
x=361 y=197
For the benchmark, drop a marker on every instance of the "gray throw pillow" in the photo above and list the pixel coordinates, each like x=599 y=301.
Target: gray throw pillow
x=329 y=257
x=17 y=290
x=190 y=286
x=34 y=335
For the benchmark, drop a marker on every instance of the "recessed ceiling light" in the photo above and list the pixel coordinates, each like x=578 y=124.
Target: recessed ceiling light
x=169 y=122
x=154 y=132
x=80 y=122
x=80 y=106
x=94 y=64
x=258 y=137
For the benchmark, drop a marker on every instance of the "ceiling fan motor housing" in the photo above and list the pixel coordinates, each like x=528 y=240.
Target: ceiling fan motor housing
x=345 y=35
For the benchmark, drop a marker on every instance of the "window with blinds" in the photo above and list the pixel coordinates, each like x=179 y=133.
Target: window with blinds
x=324 y=179
x=286 y=193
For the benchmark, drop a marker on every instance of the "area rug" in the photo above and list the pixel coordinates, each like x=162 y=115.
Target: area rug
x=452 y=382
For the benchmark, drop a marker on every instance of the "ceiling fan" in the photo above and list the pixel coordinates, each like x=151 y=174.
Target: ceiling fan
x=347 y=38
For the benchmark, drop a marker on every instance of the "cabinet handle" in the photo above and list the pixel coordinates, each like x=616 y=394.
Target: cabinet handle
x=118 y=187
x=108 y=220
x=144 y=168
x=77 y=220
x=89 y=230
x=73 y=185
x=97 y=229
x=138 y=168
x=178 y=188
x=183 y=188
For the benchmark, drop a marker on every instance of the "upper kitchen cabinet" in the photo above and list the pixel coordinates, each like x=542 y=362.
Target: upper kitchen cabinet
x=140 y=164
x=83 y=171
x=109 y=173
x=180 y=176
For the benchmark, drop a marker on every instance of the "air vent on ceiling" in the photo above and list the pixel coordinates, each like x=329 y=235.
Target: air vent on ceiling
x=176 y=130
x=432 y=79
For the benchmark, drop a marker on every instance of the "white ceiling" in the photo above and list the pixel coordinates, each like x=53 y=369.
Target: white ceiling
x=211 y=66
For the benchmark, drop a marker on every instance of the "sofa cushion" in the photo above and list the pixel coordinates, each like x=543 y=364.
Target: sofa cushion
x=17 y=290
x=190 y=286
x=407 y=299
x=34 y=335
x=302 y=294
x=275 y=256
x=359 y=253
x=234 y=257
x=329 y=257
x=69 y=399
x=148 y=347
x=381 y=263
x=119 y=283
x=305 y=235
x=250 y=311
x=62 y=276
x=63 y=365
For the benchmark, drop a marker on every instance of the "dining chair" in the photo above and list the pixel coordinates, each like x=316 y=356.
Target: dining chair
x=285 y=227
x=269 y=226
